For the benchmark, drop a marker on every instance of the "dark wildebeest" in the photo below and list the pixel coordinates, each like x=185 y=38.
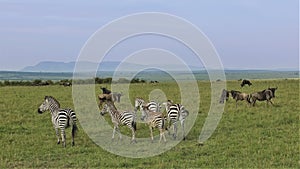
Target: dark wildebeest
x=237 y=95
x=105 y=91
x=266 y=94
x=244 y=82
x=224 y=96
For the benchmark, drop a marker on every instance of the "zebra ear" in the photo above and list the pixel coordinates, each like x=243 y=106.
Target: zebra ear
x=46 y=99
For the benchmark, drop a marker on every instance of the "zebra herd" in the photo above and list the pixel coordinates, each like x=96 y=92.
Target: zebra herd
x=151 y=115
x=264 y=95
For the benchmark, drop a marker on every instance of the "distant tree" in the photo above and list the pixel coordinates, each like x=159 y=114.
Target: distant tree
x=107 y=80
x=37 y=82
x=6 y=83
x=98 y=80
x=50 y=82
x=135 y=80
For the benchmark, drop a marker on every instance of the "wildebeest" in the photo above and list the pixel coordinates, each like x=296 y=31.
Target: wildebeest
x=67 y=84
x=105 y=90
x=224 y=96
x=244 y=82
x=237 y=95
x=266 y=94
x=104 y=98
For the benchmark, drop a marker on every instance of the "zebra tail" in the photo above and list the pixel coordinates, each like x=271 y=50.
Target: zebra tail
x=74 y=129
x=133 y=123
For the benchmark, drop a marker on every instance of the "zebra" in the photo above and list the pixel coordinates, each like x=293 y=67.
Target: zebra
x=154 y=120
x=176 y=112
x=120 y=117
x=152 y=105
x=61 y=118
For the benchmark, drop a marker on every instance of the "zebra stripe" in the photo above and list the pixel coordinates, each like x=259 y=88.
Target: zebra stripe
x=176 y=112
x=154 y=120
x=61 y=118
x=118 y=118
x=152 y=105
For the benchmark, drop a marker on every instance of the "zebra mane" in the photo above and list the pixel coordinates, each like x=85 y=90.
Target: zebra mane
x=140 y=98
x=51 y=98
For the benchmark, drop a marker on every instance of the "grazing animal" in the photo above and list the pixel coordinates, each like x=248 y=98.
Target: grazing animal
x=105 y=90
x=154 y=81
x=224 y=96
x=237 y=95
x=152 y=105
x=154 y=120
x=120 y=118
x=175 y=113
x=61 y=118
x=116 y=97
x=266 y=94
x=244 y=82
x=104 y=98
x=67 y=84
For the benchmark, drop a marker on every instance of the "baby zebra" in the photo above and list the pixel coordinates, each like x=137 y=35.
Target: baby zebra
x=154 y=120
x=152 y=106
x=176 y=112
x=61 y=118
x=118 y=118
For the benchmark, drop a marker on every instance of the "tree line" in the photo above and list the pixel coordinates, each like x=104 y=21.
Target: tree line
x=97 y=80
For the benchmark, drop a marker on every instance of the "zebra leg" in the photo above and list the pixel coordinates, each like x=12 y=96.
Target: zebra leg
x=57 y=135
x=74 y=128
x=162 y=135
x=182 y=125
x=169 y=127
x=151 y=134
x=113 y=134
x=175 y=130
x=119 y=132
x=133 y=136
x=63 y=137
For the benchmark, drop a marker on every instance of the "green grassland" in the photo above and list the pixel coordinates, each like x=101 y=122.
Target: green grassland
x=246 y=137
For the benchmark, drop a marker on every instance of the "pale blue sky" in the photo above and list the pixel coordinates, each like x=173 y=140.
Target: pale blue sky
x=254 y=34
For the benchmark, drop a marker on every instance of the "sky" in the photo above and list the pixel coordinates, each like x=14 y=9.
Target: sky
x=247 y=34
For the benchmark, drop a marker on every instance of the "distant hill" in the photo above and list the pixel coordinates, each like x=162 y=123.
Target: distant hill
x=50 y=66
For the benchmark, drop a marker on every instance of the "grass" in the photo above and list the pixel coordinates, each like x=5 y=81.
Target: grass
x=246 y=137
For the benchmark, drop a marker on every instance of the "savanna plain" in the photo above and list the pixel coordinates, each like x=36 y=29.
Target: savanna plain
x=264 y=136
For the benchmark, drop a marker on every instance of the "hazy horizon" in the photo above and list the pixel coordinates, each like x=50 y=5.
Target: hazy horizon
x=194 y=67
